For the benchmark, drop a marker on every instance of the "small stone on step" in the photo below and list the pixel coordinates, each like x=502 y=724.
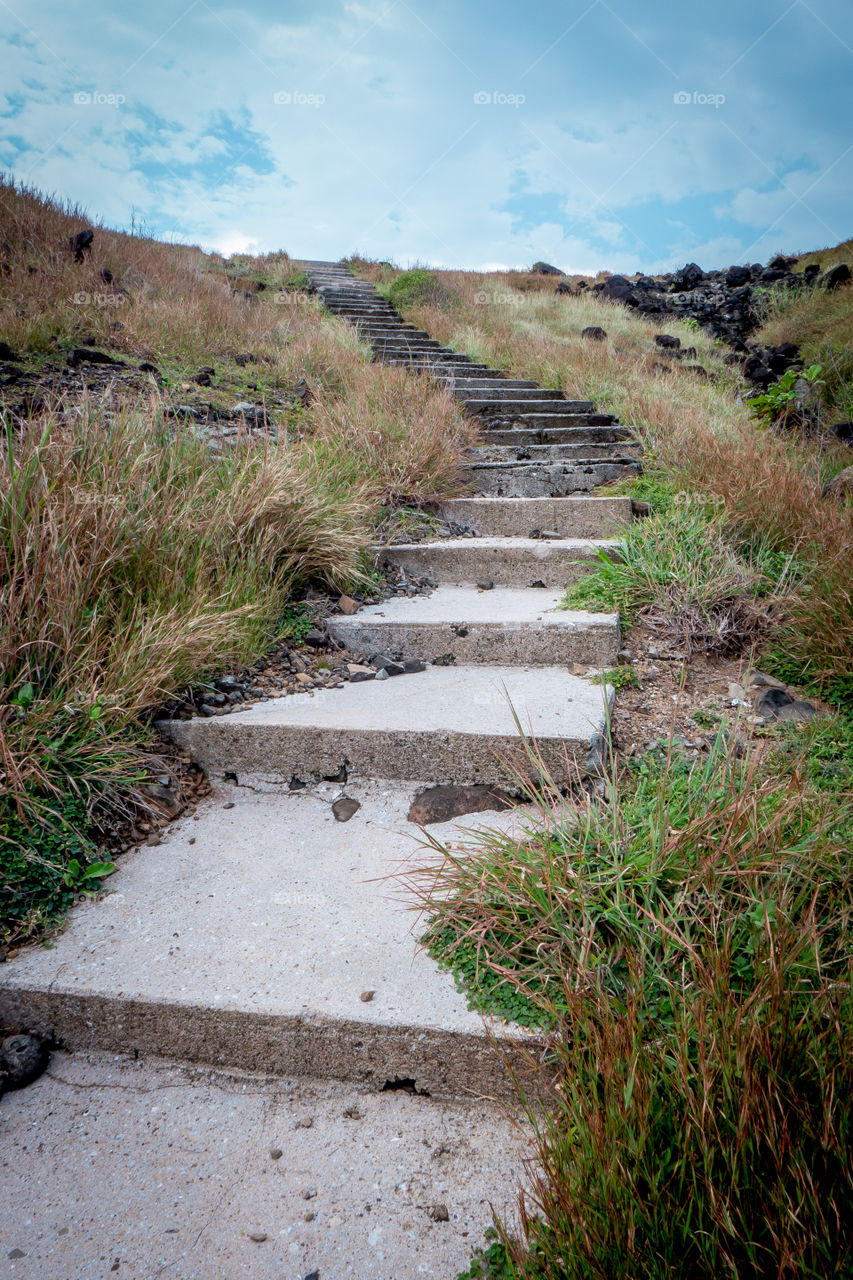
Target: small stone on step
x=367 y=996
x=438 y=1213
x=347 y=605
x=345 y=808
x=258 y=1236
x=487 y=585
x=276 y=1153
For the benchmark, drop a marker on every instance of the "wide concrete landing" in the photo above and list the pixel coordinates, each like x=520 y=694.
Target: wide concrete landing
x=506 y=625
x=507 y=562
x=450 y=724
x=114 y=1168
x=248 y=938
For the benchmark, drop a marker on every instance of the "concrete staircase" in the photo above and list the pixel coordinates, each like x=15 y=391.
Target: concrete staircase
x=536 y=442
x=264 y=934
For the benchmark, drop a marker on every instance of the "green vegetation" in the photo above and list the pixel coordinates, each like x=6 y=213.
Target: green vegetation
x=618 y=677
x=688 y=943
x=681 y=570
x=135 y=561
x=779 y=401
x=764 y=487
x=418 y=287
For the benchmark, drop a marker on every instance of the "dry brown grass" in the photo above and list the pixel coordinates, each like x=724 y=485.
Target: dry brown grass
x=133 y=562
x=402 y=431
x=695 y=427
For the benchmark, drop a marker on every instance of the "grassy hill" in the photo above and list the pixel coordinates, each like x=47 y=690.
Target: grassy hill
x=152 y=535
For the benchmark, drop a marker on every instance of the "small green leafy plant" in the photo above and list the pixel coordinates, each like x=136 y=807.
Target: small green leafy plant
x=779 y=401
x=619 y=677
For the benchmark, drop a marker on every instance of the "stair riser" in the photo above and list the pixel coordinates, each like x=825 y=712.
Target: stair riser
x=516 y=518
x=504 y=566
x=448 y=1064
x=483 y=644
x=494 y=397
x=507 y=408
x=280 y=753
x=603 y=452
x=543 y=482
x=580 y=434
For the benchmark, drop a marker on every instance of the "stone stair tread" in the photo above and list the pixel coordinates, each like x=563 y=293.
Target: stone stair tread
x=272 y=923
x=466 y=605
x=501 y=625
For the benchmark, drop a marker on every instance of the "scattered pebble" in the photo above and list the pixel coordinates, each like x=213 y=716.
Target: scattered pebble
x=439 y=1213
x=345 y=808
x=367 y=996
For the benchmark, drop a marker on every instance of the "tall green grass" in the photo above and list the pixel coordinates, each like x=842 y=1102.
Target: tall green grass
x=133 y=561
x=688 y=944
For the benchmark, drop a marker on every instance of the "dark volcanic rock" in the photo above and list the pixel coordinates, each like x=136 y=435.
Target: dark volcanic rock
x=442 y=803
x=545 y=269
x=22 y=1059
x=594 y=332
x=81 y=244
x=835 y=276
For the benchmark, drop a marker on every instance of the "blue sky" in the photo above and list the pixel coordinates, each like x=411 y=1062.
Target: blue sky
x=616 y=134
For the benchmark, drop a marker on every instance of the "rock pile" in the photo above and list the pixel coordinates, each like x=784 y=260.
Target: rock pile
x=726 y=303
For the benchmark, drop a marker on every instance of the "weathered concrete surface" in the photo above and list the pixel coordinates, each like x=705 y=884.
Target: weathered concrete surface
x=114 y=1168
x=247 y=938
x=506 y=625
x=583 y=516
x=505 y=561
x=446 y=724
x=547 y=479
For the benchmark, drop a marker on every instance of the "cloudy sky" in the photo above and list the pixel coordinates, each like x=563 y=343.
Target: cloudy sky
x=592 y=133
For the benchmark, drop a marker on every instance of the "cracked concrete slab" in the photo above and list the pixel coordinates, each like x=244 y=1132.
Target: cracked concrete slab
x=115 y=1168
x=247 y=939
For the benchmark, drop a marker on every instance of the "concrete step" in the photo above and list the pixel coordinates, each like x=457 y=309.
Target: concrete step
x=579 y=434
x=246 y=938
x=546 y=479
x=444 y=725
x=166 y=1169
x=489 y=382
x=496 y=395
x=415 y=338
x=575 y=517
x=404 y=345
x=586 y=452
x=510 y=408
x=528 y=419
x=506 y=562
x=506 y=625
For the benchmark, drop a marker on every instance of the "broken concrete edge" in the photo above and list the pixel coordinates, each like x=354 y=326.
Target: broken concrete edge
x=445 y=1065
x=225 y=750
